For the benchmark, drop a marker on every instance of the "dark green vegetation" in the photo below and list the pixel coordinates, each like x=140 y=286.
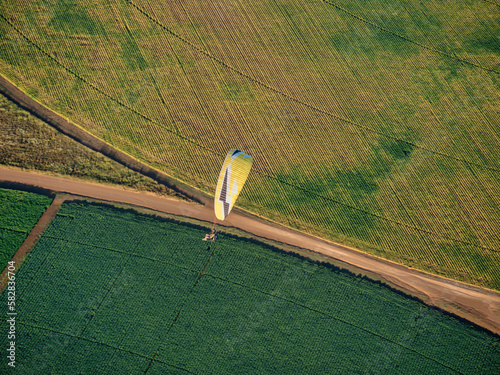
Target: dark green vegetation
x=28 y=143
x=372 y=124
x=19 y=212
x=108 y=290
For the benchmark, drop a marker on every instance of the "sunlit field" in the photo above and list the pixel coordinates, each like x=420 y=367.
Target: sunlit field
x=107 y=290
x=376 y=125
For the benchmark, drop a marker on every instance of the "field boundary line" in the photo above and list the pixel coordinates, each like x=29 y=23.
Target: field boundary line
x=91 y=85
x=492 y=3
x=119 y=252
x=329 y=114
x=264 y=174
x=314 y=108
x=194 y=142
x=334 y=318
x=183 y=304
x=96 y=342
x=454 y=57
x=82 y=136
x=466 y=300
x=382 y=217
x=72 y=130
x=33 y=236
x=15 y=230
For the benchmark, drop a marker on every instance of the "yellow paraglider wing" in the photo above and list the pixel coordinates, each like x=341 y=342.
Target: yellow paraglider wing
x=232 y=177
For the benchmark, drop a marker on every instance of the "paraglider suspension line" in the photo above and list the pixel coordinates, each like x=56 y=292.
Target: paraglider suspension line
x=215 y=225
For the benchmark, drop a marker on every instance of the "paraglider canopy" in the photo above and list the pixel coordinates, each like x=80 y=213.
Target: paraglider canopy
x=232 y=177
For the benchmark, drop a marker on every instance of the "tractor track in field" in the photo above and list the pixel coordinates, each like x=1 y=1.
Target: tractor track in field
x=76 y=133
x=480 y=306
x=32 y=238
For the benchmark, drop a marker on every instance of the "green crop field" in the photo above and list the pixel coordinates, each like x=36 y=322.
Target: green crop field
x=374 y=124
x=107 y=290
x=19 y=212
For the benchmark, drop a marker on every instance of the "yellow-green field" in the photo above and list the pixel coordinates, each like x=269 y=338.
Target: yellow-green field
x=375 y=124
x=28 y=143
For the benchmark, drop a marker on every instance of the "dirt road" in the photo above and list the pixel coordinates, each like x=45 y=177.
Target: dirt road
x=32 y=238
x=474 y=304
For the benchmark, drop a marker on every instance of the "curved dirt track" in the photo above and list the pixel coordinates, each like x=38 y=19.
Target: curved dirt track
x=480 y=306
x=477 y=305
x=73 y=131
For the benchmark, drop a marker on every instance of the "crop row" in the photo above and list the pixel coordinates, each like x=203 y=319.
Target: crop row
x=19 y=212
x=125 y=298
x=349 y=141
x=288 y=281
x=252 y=301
